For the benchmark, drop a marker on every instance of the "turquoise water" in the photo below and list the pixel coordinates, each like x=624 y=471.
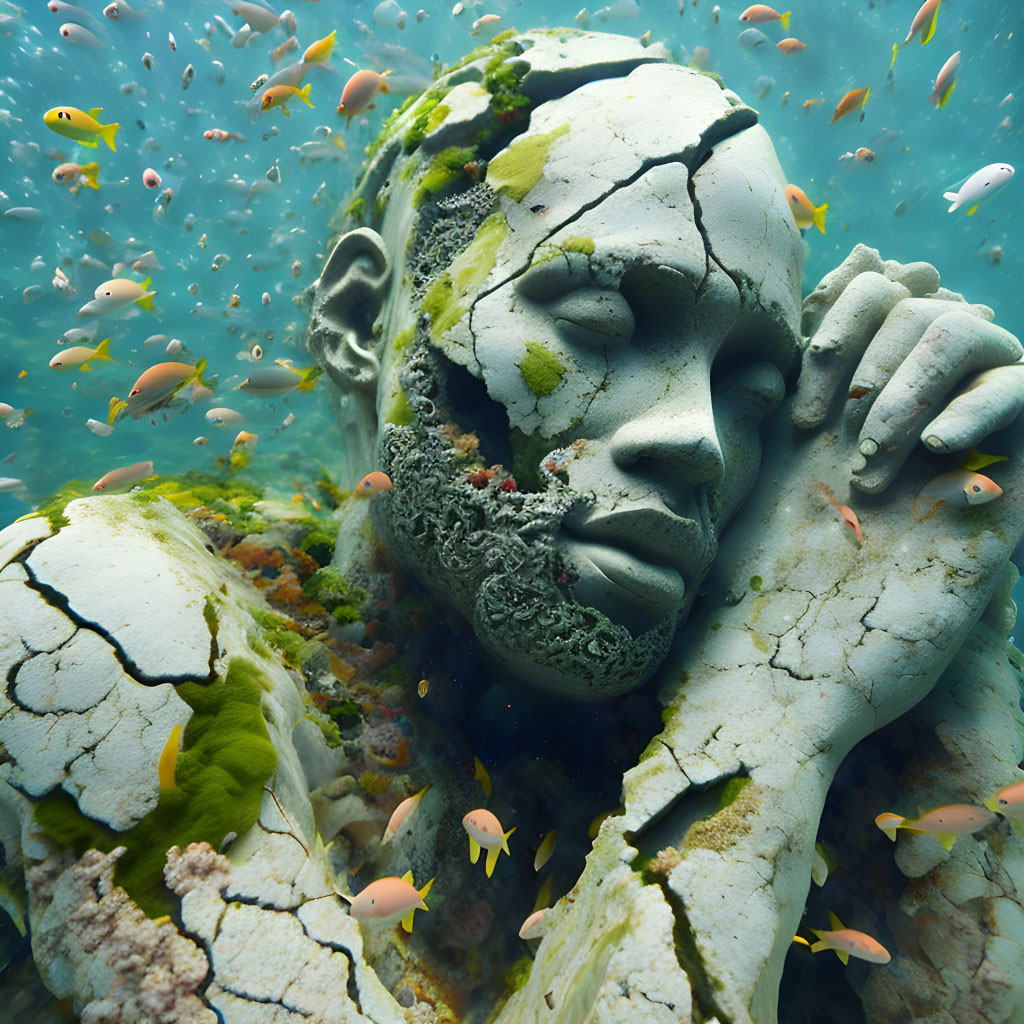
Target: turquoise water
x=273 y=234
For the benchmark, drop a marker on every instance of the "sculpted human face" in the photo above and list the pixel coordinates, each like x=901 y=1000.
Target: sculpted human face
x=626 y=364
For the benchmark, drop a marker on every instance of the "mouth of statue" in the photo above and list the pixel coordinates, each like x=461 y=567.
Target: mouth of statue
x=630 y=590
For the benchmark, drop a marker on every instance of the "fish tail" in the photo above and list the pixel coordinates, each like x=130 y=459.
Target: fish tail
x=423 y=892
x=198 y=372
x=843 y=956
x=927 y=34
x=504 y=838
x=800 y=940
x=895 y=50
x=103 y=351
x=91 y=172
x=867 y=93
x=169 y=759
x=107 y=132
x=944 y=99
x=304 y=94
x=309 y=378
x=116 y=406
x=784 y=18
x=492 y=859
x=819 y=217
x=146 y=302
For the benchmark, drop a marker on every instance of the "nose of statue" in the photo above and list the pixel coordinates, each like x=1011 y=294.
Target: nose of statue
x=685 y=445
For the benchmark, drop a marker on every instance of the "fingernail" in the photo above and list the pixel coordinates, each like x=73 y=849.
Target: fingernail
x=935 y=443
x=868 y=447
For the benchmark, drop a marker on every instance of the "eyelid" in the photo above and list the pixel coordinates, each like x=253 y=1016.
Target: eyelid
x=593 y=314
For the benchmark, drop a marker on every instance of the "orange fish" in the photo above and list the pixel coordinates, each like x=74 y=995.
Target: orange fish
x=359 y=92
x=401 y=812
x=947 y=823
x=791 y=46
x=805 y=213
x=124 y=475
x=279 y=95
x=850 y=102
x=759 y=14
x=531 y=922
x=372 y=484
x=1008 y=801
x=846 y=513
x=958 y=487
x=389 y=897
x=847 y=942
x=484 y=831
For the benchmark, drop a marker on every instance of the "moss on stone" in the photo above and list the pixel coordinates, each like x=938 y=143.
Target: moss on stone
x=226 y=759
x=403 y=340
x=437 y=117
x=578 y=243
x=387 y=128
x=445 y=302
x=502 y=79
x=756 y=583
x=400 y=412
x=732 y=790
x=515 y=171
x=448 y=165
x=52 y=509
x=541 y=369
x=422 y=124
x=337 y=596
x=356 y=209
x=728 y=825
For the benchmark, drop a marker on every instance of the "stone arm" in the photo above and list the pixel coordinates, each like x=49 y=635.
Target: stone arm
x=805 y=642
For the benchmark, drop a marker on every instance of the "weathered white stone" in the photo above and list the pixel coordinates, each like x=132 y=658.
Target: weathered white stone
x=16 y=537
x=97 y=566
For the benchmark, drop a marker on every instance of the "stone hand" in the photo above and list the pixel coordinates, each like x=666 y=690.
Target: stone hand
x=910 y=367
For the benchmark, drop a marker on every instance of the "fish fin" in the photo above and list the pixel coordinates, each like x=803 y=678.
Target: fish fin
x=800 y=940
x=504 y=838
x=784 y=18
x=91 y=172
x=973 y=210
x=285 y=110
x=95 y=112
x=948 y=839
x=107 y=132
x=198 y=373
x=423 y=892
x=890 y=832
x=474 y=850
x=407 y=921
x=481 y=776
x=921 y=516
x=386 y=838
x=944 y=98
x=843 y=955
x=384 y=85
x=895 y=50
x=169 y=759
x=819 y=217
x=492 y=859
x=103 y=351
x=116 y=405
x=819 y=946
x=543 y=895
x=310 y=376
x=867 y=93
x=88 y=143
x=407 y=877
x=146 y=302
x=992 y=804
x=837 y=925
x=346 y=897
x=927 y=34
x=84 y=368
x=951 y=196
x=977 y=460
x=304 y=94
x=145 y=282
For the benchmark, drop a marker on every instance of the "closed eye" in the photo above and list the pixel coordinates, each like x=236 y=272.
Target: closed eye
x=592 y=316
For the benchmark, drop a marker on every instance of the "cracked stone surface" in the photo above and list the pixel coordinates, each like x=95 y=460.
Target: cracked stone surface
x=252 y=941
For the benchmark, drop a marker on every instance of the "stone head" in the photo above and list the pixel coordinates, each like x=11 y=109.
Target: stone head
x=572 y=304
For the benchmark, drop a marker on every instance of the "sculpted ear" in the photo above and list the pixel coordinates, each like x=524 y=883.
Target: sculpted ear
x=349 y=297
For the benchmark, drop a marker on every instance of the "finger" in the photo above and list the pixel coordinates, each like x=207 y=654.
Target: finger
x=896 y=338
x=862 y=260
x=918 y=278
x=957 y=344
x=991 y=401
x=839 y=342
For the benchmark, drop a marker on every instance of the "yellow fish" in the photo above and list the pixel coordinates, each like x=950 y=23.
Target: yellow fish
x=279 y=95
x=544 y=851
x=83 y=127
x=805 y=213
x=481 y=776
x=976 y=460
x=169 y=759
x=319 y=51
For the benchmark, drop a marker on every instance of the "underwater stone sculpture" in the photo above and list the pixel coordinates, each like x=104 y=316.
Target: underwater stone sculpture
x=612 y=314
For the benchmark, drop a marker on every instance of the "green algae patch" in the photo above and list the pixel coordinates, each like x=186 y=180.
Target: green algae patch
x=446 y=301
x=403 y=340
x=437 y=117
x=426 y=120
x=448 y=165
x=356 y=209
x=756 y=583
x=578 y=243
x=53 y=508
x=541 y=369
x=503 y=78
x=340 y=598
x=729 y=824
x=515 y=172
x=227 y=758
x=400 y=413
x=387 y=128
x=732 y=790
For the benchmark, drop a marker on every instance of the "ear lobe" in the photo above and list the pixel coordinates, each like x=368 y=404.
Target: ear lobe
x=349 y=297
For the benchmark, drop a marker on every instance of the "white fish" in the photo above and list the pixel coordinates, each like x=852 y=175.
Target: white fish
x=980 y=185
x=222 y=417
x=120 y=11
x=79 y=35
x=258 y=18
x=27 y=214
x=72 y=13
x=76 y=335
x=99 y=428
x=10 y=483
